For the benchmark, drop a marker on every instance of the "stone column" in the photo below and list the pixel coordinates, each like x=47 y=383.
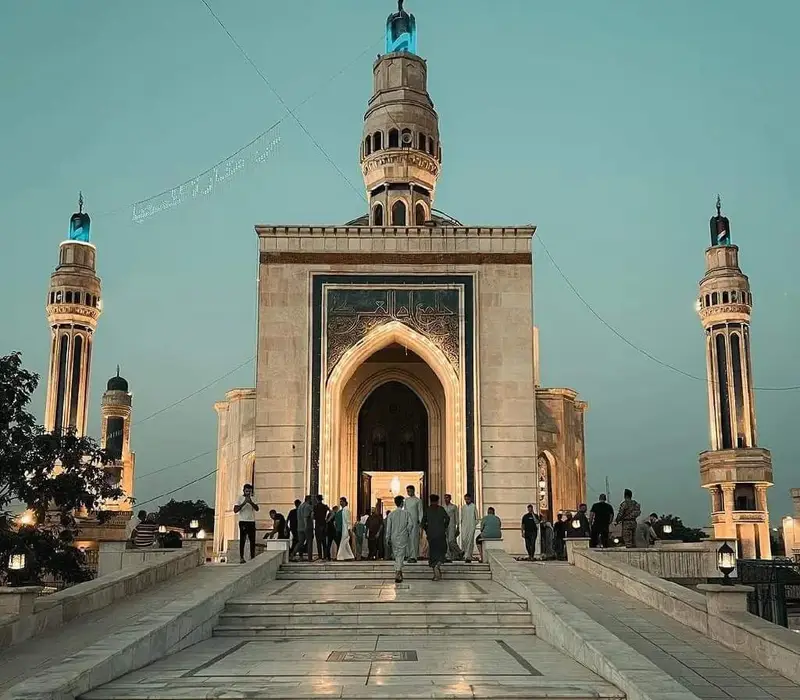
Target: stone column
x=722 y=599
x=18 y=600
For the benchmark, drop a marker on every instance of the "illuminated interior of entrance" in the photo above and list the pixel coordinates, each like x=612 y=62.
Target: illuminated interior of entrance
x=392 y=353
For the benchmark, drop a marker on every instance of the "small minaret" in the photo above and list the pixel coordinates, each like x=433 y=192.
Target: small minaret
x=401 y=154
x=116 y=439
x=73 y=307
x=736 y=472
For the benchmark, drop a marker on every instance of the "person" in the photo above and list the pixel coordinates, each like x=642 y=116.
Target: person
x=291 y=521
x=246 y=508
x=530 y=528
x=645 y=534
x=600 y=517
x=398 y=536
x=491 y=529
x=320 y=535
x=144 y=534
x=559 y=535
x=413 y=507
x=305 y=530
x=387 y=544
x=627 y=515
x=360 y=530
x=435 y=523
x=469 y=521
x=331 y=538
x=345 y=552
x=454 y=552
x=280 y=530
x=583 y=523
x=548 y=540
x=374 y=534
x=141 y=516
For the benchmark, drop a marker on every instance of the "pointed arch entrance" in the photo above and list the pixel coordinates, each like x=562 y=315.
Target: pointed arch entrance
x=367 y=366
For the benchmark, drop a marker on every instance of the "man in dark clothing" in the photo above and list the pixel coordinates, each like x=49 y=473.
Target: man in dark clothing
x=374 y=533
x=600 y=518
x=292 y=522
x=320 y=530
x=530 y=528
x=434 y=523
x=583 y=523
x=305 y=529
x=280 y=530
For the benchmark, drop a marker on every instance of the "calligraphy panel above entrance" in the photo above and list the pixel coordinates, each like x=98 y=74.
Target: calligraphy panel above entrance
x=353 y=312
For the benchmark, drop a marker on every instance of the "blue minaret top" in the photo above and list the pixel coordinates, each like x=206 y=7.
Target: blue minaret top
x=720 y=227
x=401 y=31
x=80 y=223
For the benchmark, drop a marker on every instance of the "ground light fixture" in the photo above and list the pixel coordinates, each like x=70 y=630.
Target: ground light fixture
x=162 y=529
x=726 y=562
x=667 y=529
x=194 y=525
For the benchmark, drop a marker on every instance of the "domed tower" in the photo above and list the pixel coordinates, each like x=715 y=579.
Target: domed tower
x=401 y=154
x=73 y=307
x=736 y=472
x=116 y=438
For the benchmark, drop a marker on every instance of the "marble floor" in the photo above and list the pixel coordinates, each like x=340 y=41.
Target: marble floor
x=456 y=664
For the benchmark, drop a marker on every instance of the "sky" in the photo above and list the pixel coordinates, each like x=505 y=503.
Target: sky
x=611 y=126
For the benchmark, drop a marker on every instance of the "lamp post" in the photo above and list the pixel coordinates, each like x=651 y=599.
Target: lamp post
x=19 y=566
x=726 y=563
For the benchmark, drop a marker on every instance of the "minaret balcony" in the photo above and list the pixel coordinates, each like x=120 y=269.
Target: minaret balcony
x=400 y=165
x=751 y=465
x=72 y=314
x=725 y=313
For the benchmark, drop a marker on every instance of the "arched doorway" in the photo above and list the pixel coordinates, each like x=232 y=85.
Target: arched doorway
x=392 y=437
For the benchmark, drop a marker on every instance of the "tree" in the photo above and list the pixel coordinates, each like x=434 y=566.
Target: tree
x=55 y=475
x=679 y=531
x=181 y=513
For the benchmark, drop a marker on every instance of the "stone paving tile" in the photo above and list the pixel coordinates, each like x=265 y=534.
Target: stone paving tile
x=37 y=654
x=703 y=666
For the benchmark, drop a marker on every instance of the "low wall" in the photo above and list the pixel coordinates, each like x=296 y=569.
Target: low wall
x=59 y=608
x=770 y=645
x=114 y=556
x=569 y=629
x=176 y=626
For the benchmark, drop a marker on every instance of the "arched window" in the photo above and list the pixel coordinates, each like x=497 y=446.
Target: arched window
x=734 y=297
x=399 y=213
x=377 y=141
x=69 y=297
x=377 y=215
x=394 y=138
x=440 y=154
x=367 y=146
x=422 y=140
x=708 y=300
x=725 y=298
x=714 y=299
x=431 y=148
x=420 y=217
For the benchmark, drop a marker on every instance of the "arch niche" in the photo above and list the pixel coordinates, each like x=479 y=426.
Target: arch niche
x=352 y=381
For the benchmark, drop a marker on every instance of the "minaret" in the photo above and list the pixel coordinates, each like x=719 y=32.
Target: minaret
x=736 y=472
x=400 y=150
x=73 y=307
x=116 y=439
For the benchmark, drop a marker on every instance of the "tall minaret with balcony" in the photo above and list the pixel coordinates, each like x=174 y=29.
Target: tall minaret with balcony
x=736 y=472
x=400 y=154
x=73 y=307
x=115 y=439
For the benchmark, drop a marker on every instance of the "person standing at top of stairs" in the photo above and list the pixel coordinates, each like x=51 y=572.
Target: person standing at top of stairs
x=246 y=508
x=413 y=507
x=399 y=531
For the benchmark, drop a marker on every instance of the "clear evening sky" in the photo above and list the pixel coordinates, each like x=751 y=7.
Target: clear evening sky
x=610 y=125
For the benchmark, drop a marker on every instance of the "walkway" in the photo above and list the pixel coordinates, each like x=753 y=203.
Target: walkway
x=37 y=654
x=705 y=667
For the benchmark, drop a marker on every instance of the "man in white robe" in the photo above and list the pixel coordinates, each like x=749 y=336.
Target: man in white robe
x=469 y=521
x=454 y=552
x=413 y=507
x=398 y=534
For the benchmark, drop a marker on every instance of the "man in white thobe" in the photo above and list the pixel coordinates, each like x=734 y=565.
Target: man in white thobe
x=469 y=521
x=398 y=534
x=413 y=507
x=454 y=552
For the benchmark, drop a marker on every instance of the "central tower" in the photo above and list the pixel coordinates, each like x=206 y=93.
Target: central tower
x=401 y=154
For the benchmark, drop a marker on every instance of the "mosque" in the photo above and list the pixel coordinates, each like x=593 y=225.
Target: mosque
x=398 y=348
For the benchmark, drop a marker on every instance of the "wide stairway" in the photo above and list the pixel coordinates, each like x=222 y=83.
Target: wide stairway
x=346 y=630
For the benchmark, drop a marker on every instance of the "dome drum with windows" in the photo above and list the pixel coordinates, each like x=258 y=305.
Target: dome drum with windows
x=400 y=151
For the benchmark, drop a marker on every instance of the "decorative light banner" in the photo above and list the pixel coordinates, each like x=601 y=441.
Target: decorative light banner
x=204 y=184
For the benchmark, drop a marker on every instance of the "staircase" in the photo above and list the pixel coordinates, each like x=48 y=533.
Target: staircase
x=354 y=610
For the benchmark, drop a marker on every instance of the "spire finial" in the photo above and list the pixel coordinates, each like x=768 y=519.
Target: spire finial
x=80 y=202
x=118 y=370
x=400 y=5
x=719 y=206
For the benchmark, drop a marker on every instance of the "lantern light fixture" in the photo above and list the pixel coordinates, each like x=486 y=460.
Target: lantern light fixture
x=576 y=524
x=194 y=524
x=162 y=529
x=201 y=534
x=667 y=529
x=726 y=562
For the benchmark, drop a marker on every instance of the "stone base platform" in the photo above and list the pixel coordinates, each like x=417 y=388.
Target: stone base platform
x=369 y=570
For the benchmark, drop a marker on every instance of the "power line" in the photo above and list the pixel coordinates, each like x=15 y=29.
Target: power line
x=283 y=103
x=180 y=488
x=630 y=343
x=177 y=464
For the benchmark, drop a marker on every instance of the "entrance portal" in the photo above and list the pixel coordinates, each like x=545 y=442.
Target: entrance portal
x=392 y=435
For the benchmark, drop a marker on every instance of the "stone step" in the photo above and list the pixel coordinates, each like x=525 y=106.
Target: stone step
x=379 y=566
x=310 y=574
x=266 y=606
x=384 y=630
x=346 y=620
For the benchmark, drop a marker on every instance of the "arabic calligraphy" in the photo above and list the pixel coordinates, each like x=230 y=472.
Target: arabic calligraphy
x=353 y=313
